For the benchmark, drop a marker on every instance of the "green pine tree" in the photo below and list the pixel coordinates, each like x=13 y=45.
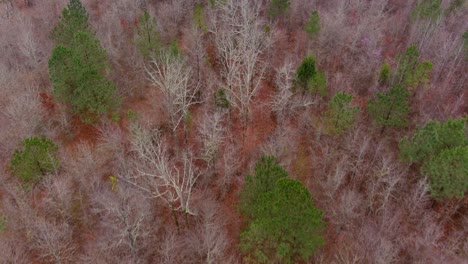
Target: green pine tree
x=309 y=79
x=285 y=225
x=312 y=26
x=433 y=138
x=147 y=40
x=442 y=149
x=318 y=84
x=384 y=75
x=77 y=73
x=35 y=158
x=390 y=108
x=340 y=115
x=448 y=173
x=411 y=73
x=74 y=19
x=220 y=99
x=267 y=172
x=427 y=9
x=199 y=17
x=305 y=72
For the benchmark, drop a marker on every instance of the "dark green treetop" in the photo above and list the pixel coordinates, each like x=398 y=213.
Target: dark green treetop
x=442 y=149
x=286 y=227
x=448 y=173
x=35 y=158
x=267 y=172
x=432 y=138
x=77 y=73
x=390 y=108
x=308 y=78
x=74 y=19
x=411 y=72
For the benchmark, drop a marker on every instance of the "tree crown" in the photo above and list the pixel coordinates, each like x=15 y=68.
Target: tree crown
x=35 y=158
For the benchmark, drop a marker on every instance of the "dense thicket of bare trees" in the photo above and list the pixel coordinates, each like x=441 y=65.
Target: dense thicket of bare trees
x=159 y=181
x=241 y=43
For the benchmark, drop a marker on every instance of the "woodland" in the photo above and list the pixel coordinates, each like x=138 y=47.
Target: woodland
x=234 y=131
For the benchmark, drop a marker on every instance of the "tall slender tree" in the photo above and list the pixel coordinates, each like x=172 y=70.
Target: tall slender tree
x=147 y=39
x=78 y=65
x=77 y=74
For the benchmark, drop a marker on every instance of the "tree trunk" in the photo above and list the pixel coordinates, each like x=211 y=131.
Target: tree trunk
x=176 y=220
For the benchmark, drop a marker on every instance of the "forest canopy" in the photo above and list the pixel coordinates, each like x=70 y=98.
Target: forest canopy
x=233 y=131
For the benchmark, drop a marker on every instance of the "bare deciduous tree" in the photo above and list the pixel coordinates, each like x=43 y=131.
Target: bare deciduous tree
x=58 y=201
x=24 y=111
x=159 y=176
x=387 y=176
x=212 y=136
x=13 y=250
x=125 y=216
x=172 y=74
x=52 y=242
x=286 y=103
x=171 y=15
x=210 y=240
x=29 y=47
x=228 y=165
x=241 y=42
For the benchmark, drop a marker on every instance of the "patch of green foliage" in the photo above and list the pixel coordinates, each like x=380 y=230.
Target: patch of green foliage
x=220 y=99
x=267 y=172
x=74 y=19
x=199 y=17
x=441 y=148
x=78 y=65
x=35 y=158
x=284 y=225
x=312 y=26
x=432 y=138
x=188 y=121
x=147 y=39
x=390 y=108
x=427 y=9
x=132 y=115
x=174 y=50
x=340 y=115
x=77 y=74
x=384 y=75
x=278 y=7
x=455 y=5
x=3 y=220
x=309 y=79
x=412 y=73
x=448 y=173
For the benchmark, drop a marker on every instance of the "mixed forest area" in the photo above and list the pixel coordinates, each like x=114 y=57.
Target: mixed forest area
x=234 y=131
